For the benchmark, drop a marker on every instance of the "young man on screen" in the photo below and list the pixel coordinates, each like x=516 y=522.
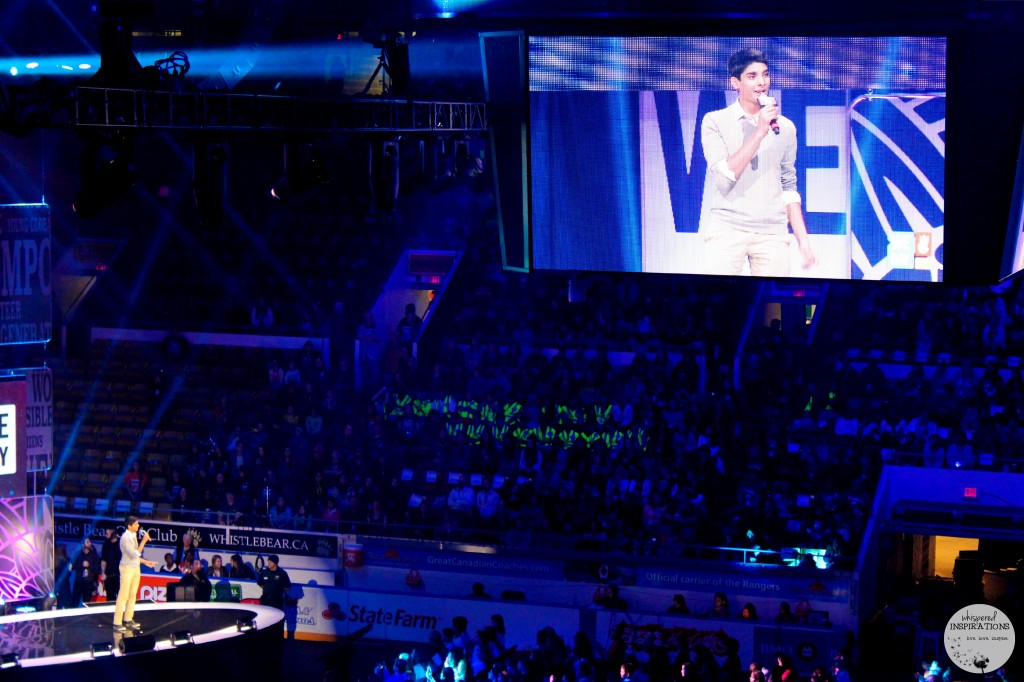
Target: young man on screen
x=750 y=194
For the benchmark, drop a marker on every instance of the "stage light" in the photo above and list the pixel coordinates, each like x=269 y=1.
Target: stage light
x=9 y=661
x=137 y=644
x=245 y=624
x=102 y=649
x=182 y=638
x=32 y=65
x=85 y=67
x=14 y=70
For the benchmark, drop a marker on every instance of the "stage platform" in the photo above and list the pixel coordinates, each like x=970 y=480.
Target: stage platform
x=59 y=645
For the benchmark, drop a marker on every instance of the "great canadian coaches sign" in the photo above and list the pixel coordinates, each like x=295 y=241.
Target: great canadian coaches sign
x=25 y=274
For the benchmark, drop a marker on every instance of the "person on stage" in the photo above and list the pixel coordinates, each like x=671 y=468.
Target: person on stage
x=751 y=190
x=110 y=555
x=131 y=558
x=87 y=572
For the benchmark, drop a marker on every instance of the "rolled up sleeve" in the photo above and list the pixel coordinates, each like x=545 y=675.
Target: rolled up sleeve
x=790 y=195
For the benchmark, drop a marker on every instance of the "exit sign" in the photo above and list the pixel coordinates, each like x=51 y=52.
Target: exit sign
x=970 y=492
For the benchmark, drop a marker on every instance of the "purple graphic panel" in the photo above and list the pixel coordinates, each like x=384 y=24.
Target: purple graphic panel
x=26 y=548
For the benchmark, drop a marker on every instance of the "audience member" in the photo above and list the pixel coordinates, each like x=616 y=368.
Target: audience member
x=239 y=570
x=678 y=606
x=196 y=579
x=169 y=566
x=86 y=568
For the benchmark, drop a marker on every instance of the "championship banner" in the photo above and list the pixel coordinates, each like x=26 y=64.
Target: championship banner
x=207 y=538
x=25 y=275
x=39 y=419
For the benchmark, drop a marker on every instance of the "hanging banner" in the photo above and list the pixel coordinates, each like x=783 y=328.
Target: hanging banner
x=39 y=419
x=25 y=274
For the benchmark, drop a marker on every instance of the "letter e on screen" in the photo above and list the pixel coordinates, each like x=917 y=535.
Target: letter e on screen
x=8 y=440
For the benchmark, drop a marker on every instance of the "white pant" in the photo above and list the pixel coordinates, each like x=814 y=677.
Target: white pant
x=726 y=249
x=126 y=595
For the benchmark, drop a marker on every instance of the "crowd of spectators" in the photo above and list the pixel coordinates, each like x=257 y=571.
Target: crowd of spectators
x=611 y=415
x=505 y=442
x=650 y=470
x=456 y=653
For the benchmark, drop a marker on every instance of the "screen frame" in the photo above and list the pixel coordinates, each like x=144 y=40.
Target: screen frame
x=980 y=166
x=747 y=36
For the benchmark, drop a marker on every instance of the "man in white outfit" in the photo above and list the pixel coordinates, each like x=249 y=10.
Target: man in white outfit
x=131 y=558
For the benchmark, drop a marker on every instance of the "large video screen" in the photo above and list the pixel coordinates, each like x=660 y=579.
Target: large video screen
x=1013 y=250
x=817 y=157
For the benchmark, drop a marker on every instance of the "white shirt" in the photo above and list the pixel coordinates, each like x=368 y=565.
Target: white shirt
x=130 y=553
x=757 y=200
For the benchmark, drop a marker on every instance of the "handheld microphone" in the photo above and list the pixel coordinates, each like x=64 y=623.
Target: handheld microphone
x=765 y=100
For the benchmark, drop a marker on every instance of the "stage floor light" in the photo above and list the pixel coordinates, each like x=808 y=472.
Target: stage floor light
x=182 y=638
x=101 y=649
x=246 y=624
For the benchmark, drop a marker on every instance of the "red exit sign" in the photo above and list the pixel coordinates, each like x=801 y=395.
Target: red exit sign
x=970 y=492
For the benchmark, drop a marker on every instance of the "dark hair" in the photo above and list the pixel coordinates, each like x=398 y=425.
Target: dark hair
x=741 y=59
x=130 y=519
x=273 y=557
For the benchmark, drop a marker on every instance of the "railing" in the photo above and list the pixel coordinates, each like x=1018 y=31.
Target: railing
x=219 y=111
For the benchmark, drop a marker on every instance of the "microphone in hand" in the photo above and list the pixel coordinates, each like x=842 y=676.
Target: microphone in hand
x=766 y=100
